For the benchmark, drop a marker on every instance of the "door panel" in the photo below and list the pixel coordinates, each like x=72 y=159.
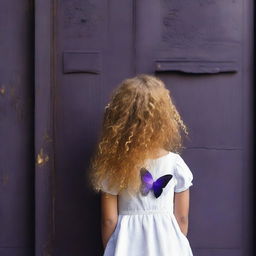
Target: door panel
x=217 y=100
x=186 y=30
x=204 y=40
x=94 y=52
x=216 y=212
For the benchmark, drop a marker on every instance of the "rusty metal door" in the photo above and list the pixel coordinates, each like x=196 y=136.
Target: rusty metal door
x=202 y=50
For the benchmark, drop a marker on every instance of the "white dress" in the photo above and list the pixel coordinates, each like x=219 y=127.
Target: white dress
x=146 y=225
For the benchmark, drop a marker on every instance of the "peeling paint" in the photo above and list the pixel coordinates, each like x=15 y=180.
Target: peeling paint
x=182 y=29
x=83 y=17
x=42 y=158
x=2 y=90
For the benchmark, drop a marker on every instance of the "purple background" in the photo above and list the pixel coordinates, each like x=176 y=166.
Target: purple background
x=60 y=60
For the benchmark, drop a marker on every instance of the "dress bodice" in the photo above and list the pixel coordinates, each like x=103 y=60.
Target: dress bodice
x=157 y=167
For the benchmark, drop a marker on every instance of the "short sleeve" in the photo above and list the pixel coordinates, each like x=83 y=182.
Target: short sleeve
x=183 y=175
x=105 y=188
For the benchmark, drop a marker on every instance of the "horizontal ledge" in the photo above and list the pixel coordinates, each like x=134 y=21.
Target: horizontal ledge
x=199 y=66
x=215 y=148
x=81 y=62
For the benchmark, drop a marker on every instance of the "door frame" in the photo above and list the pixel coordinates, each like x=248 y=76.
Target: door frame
x=45 y=84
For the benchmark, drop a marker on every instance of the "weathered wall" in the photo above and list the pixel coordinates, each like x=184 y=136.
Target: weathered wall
x=16 y=128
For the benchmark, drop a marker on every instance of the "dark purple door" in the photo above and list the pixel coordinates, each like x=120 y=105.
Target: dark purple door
x=94 y=52
x=202 y=50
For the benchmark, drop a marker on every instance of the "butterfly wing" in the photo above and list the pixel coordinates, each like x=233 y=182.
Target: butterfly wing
x=160 y=183
x=146 y=181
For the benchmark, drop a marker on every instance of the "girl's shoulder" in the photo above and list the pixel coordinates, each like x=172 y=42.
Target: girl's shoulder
x=183 y=174
x=173 y=163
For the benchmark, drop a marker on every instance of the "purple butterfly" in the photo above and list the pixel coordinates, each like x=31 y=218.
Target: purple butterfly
x=147 y=183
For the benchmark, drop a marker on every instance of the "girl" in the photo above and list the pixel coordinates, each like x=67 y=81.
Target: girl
x=143 y=180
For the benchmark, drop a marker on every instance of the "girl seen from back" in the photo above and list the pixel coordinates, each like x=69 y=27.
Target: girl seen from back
x=137 y=167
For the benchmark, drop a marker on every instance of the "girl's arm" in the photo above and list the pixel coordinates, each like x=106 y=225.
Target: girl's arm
x=109 y=216
x=181 y=209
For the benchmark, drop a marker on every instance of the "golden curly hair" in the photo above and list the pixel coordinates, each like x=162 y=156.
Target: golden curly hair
x=139 y=119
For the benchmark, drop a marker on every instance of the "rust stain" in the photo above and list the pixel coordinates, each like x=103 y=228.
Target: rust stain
x=41 y=158
x=2 y=90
